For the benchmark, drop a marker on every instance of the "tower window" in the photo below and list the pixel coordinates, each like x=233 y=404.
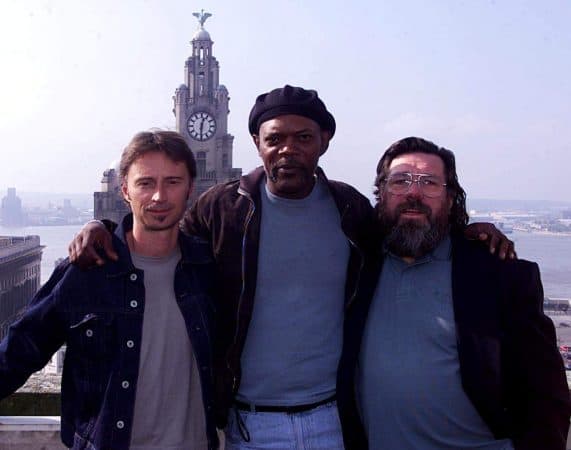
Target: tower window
x=201 y=83
x=225 y=160
x=201 y=163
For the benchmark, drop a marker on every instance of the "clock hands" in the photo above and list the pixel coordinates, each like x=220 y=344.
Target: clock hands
x=202 y=127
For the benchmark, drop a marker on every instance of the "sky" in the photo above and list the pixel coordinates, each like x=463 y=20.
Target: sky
x=488 y=79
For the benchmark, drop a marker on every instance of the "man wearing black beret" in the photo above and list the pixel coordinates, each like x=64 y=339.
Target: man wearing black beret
x=289 y=245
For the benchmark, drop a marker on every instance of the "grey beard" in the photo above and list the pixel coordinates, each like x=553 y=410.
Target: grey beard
x=414 y=240
x=411 y=238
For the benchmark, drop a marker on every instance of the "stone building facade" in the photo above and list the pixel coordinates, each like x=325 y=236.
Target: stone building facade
x=109 y=203
x=20 y=266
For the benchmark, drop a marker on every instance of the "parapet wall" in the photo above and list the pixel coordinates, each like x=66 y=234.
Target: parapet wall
x=31 y=404
x=30 y=433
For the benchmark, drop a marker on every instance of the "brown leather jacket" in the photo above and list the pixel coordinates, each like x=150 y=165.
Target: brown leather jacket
x=228 y=215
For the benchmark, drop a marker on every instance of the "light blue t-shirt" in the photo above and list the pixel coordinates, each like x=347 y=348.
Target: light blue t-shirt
x=409 y=385
x=295 y=335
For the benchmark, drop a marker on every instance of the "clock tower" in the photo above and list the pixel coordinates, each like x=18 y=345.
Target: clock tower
x=201 y=115
x=201 y=111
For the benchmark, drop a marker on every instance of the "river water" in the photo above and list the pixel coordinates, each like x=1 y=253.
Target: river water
x=551 y=252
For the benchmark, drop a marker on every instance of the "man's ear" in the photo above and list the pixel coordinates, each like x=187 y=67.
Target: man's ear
x=325 y=138
x=125 y=191
x=256 y=140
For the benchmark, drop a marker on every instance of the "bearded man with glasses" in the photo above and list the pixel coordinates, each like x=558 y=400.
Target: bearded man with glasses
x=449 y=347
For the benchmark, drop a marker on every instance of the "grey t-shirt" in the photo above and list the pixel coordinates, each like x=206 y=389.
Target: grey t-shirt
x=169 y=413
x=295 y=335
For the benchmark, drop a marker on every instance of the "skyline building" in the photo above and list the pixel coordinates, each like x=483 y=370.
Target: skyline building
x=201 y=108
x=12 y=214
x=108 y=203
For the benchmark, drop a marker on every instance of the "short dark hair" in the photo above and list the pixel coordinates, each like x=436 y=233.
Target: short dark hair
x=458 y=213
x=171 y=143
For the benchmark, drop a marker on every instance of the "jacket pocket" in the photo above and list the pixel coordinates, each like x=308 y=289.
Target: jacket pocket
x=92 y=334
x=91 y=349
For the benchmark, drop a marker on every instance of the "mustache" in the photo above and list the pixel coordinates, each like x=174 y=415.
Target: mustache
x=289 y=163
x=413 y=204
x=158 y=207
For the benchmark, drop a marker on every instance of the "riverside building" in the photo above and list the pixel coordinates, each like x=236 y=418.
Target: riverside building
x=20 y=266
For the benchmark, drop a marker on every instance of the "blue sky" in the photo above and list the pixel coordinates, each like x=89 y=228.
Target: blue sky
x=488 y=79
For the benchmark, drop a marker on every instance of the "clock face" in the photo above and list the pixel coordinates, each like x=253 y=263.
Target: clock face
x=201 y=126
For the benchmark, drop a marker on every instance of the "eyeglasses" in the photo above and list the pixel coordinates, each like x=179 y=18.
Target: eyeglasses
x=400 y=183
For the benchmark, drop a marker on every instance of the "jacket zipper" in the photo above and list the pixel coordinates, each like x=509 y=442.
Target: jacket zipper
x=246 y=225
x=361 y=265
x=361 y=257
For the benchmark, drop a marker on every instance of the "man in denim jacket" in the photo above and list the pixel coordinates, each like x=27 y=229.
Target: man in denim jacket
x=137 y=371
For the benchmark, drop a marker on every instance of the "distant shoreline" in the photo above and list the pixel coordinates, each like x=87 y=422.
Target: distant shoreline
x=543 y=232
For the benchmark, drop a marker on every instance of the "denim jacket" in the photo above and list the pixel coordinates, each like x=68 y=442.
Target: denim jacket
x=99 y=315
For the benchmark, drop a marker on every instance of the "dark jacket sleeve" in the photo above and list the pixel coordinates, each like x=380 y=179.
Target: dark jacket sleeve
x=34 y=338
x=193 y=222
x=537 y=383
x=196 y=219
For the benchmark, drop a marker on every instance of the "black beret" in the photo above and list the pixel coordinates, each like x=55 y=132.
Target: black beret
x=290 y=100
